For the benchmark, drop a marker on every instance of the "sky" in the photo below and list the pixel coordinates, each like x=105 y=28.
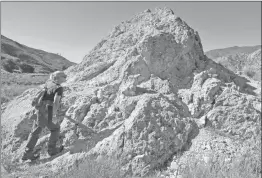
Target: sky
x=72 y=29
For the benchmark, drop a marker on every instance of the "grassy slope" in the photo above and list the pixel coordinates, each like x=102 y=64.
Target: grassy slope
x=13 y=84
x=42 y=61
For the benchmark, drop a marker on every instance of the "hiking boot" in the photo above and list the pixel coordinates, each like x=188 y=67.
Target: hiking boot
x=29 y=154
x=55 y=151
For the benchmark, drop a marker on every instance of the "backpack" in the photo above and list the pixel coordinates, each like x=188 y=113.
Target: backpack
x=37 y=100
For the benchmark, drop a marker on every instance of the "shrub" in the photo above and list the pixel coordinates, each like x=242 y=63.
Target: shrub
x=249 y=71
x=27 y=58
x=257 y=76
x=25 y=68
x=4 y=99
x=64 y=68
x=9 y=65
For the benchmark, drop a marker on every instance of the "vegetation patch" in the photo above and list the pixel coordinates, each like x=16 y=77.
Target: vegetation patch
x=15 y=84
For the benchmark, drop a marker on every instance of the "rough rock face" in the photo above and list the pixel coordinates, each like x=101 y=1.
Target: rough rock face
x=143 y=89
x=159 y=41
x=152 y=133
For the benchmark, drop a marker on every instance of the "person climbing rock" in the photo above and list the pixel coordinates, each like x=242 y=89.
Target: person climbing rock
x=46 y=109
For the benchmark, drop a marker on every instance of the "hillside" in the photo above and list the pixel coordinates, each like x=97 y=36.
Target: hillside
x=245 y=61
x=213 y=54
x=148 y=98
x=16 y=56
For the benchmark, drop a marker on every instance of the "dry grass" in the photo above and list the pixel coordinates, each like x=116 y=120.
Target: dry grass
x=243 y=167
x=90 y=168
x=13 y=85
x=95 y=169
x=8 y=92
x=106 y=168
x=6 y=162
x=246 y=166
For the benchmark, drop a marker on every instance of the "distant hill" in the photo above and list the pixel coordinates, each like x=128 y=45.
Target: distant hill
x=16 y=57
x=213 y=54
x=242 y=60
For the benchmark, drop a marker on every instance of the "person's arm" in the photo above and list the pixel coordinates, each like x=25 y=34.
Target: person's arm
x=56 y=103
x=57 y=99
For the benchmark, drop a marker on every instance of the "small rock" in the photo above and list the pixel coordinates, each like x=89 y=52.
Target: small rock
x=174 y=166
x=208 y=147
x=227 y=159
x=202 y=121
x=207 y=159
x=148 y=10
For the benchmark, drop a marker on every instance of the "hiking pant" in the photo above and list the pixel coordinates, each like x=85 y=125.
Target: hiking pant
x=44 y=119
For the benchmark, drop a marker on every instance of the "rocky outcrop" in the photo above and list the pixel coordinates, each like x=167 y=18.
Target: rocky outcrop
x=152 y=133
x=142 y=90
x=166 y=45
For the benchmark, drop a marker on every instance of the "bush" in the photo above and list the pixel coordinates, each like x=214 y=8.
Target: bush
x=257 y=76
x=25 y=68
x=250 y=72
x=64 y=68
x=9 y=65
x=4 y=99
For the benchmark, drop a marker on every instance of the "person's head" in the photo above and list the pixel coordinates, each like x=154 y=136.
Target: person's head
x=58 y=77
